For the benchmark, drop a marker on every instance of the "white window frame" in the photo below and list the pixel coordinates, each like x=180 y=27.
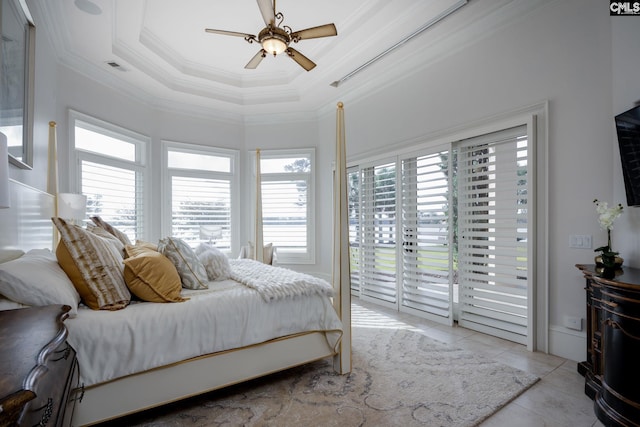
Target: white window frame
x=140 y=165
x=232 y=176
x=285 y=257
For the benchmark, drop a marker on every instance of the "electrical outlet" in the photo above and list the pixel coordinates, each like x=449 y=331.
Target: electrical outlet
x=573 y=323
x=580 y=241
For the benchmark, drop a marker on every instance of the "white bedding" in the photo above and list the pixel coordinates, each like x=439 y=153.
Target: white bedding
x=228 y=315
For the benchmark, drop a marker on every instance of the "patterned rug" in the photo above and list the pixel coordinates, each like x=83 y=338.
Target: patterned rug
x=400 y=378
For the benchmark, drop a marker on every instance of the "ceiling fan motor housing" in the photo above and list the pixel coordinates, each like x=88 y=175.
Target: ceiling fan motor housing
x=274 y=39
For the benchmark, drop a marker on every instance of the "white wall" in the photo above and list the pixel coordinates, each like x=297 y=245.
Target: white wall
x=567 y=52
x=560 y=52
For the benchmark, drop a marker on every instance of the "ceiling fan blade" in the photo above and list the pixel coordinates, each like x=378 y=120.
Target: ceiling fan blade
x=267 y=9
x=302 y=60
x=255 y=61
x=326 y=30
x=229 y=33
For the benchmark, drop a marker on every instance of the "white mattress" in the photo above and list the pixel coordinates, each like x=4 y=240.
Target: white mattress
x=229 y=315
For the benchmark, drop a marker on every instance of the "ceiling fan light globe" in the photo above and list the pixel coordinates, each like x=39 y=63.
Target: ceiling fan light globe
x=274 y=45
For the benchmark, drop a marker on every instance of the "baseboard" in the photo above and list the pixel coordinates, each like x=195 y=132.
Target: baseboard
x=567 y=343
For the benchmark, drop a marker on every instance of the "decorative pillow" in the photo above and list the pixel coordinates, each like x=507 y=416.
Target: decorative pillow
x=36 y=279
x=111 y=229
x=10 y=254
x=192 y=273
x=94 y=266
x=152 y=277
x=215 y=262
x=147 y=245
x=99 y=231
x=267 y=253
x=202 y=247
x=139 y=248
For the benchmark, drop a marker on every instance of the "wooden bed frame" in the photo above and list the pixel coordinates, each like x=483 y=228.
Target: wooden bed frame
x=27 y=225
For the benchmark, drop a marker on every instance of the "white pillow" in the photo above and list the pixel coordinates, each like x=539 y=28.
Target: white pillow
x=267 y=253
x=7 y=304
x=37 y=279
x=215 y=262
x=10 y=254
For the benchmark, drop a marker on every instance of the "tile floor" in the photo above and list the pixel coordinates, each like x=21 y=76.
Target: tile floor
x=557 y=400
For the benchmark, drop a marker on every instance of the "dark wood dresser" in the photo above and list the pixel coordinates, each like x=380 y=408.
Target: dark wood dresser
x=612 y=368
x=38 y=369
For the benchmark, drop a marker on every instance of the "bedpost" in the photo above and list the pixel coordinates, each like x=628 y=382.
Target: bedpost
x=341 y=267
x=52 y=175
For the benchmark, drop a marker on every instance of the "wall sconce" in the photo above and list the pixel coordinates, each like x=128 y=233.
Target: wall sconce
x=72 y=207
x=5 y=197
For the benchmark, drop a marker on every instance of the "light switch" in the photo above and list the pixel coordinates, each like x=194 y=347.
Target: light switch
x=580 y=241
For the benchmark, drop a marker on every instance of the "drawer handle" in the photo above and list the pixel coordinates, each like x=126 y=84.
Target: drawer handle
x=616 y=325
x=46 y=415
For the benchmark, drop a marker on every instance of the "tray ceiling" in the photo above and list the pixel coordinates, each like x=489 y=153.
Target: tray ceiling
x=157 y=50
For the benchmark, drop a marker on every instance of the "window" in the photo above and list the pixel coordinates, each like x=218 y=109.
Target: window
x=111 y=172
x=287 y=203
x=200 y=185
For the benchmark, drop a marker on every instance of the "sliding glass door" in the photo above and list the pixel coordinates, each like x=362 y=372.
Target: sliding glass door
x=494 y=224
x=446 y=233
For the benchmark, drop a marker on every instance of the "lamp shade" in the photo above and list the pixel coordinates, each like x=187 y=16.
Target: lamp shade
x=5 y=198
x=72 y=206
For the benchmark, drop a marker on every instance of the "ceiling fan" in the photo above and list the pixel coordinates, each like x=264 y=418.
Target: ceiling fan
x=275 y=38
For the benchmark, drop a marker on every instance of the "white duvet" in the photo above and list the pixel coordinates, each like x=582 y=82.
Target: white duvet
x=228 y=315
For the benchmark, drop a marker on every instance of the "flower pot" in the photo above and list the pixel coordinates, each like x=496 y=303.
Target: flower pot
x=617 y=263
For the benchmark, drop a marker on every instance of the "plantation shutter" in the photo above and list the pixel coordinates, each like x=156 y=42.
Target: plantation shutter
x=111 y=172
x=353 y=187
x=285 y=213
x=199 y=187
x=378 y=202
x=495 y=233
x=114 y=194
x=201 y=210
x=287 y=181
x=425 y=235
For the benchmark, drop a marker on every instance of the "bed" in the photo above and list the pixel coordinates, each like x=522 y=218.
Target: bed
x=150 y=354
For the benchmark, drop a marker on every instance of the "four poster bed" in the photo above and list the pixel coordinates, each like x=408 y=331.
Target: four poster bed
x=149 y=354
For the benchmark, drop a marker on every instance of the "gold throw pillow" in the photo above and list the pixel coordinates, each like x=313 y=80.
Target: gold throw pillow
x=152 y=277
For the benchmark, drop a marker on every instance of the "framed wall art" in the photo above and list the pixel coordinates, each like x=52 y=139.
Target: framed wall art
x=17 y=56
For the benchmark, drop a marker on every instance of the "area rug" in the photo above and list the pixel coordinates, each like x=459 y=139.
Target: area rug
x=400 y=378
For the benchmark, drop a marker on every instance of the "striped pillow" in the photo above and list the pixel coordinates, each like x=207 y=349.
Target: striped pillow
x=94 y=266
x=191 y=270
x=99 y=231
x=111 y=229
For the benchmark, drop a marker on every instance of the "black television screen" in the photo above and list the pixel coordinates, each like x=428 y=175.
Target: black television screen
x=628 y=128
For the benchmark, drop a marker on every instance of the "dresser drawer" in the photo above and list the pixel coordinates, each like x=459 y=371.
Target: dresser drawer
x=52 y=390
